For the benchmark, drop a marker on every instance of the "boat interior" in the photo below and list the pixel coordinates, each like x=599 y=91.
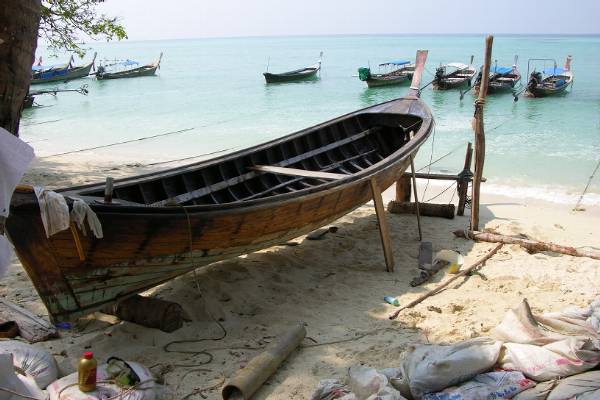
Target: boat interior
x=298 y=162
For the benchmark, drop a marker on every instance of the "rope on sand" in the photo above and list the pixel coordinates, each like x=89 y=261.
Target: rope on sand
x=587 y=186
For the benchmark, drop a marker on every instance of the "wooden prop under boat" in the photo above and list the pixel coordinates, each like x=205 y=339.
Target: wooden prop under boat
x=551 y=81
x=502 y=79
x=144 y=70
x=61 y=74
x=402 y=73
x=453 y=76
x=165 y=224
x=296 y=75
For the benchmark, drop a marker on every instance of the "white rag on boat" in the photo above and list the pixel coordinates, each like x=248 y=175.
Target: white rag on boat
x=15 y=156
x=53 y=210
x=56 y=217
x=80 y=211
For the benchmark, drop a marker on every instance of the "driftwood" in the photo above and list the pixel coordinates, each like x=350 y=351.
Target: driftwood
x=533 y=246
x=31 y=327
x=149 y=312
x=427 y=209
x=448 y=282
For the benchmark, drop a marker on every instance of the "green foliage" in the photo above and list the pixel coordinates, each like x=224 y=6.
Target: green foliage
x=64 y=21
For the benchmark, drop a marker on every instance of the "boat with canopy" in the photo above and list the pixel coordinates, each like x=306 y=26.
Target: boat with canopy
x=454 y=75
x=549 y=81
x=396 y=73
x=60 y=73
x=502 y=79
x=164 y=224
x=126 y=69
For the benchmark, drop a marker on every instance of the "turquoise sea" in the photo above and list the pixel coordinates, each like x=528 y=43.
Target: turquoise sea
x=545 y=148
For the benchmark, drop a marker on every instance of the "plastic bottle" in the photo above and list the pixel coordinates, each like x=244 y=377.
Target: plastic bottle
x=391 y=300
x=87 y=372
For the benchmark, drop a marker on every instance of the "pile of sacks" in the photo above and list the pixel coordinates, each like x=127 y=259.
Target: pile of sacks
x=30 y=372
x=527 y=358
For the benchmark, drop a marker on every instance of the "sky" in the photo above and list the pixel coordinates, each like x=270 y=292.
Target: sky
x=179 y=19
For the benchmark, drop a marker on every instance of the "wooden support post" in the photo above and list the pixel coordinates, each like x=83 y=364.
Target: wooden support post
x=463 y=182
x=479 y=133
x=403 y=189
x=414 y=182
x=383 y=227
x=108 y=190
x=77 y=240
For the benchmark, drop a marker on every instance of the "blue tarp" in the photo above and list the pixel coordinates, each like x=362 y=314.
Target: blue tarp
x=554 y=71
x=398 y=62
x=129 y=62
x=500 y=70
x=37 y=68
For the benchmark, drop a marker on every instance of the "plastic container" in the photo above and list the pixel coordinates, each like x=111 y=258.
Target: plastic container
x=87 y=372
x=392 y=300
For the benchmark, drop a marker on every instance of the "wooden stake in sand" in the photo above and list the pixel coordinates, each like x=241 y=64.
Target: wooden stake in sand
x=479 y=134
x=448 y=282
x=533 y=246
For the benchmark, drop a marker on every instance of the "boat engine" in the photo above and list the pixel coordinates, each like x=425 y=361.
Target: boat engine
x=364 y=73
x=534 y=80
x=439 y=74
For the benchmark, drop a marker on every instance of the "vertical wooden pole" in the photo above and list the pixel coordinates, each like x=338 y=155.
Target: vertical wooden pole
x=108 y=190
x=383 y=227
x=463 y=183
x=414 y=182
x=479 y=134
x=403 y=190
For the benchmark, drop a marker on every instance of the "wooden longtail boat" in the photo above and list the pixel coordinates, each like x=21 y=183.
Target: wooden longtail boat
x=165 y=224
x=502 y=79
x=551 y=81
x=296 y=75
x=144 y=70
x=41 y=74
x=402 y=72
x=453 y=76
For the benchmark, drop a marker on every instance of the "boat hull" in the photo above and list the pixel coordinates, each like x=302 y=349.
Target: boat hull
x=64 y=75
x=290 y=77
x=145 y=245
x=375 y=81
x=134 y=73
x=545 y=91
x=451 y=84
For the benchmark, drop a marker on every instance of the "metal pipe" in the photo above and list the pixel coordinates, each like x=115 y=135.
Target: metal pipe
x=248 y=380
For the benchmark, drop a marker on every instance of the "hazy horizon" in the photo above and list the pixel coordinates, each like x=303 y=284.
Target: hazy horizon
x=259 y=18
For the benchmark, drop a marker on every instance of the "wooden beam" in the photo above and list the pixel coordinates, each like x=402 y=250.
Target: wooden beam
x=479 y=134
x=297 y=172
x=414 y=181
x=403 y=189
x=463 y=183
x=383 y=227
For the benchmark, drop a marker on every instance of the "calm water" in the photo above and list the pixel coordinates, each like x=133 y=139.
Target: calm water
x=541 y=147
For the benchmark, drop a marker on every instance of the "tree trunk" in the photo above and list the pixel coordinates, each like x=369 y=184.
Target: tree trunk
x=19 y=23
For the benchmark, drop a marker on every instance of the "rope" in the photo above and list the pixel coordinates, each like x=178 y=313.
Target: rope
x=430 y=157
x=119 y=143
x=441 y=193
x=442 y=157
x=589 y=182
x=112 y=382
x=3 y=389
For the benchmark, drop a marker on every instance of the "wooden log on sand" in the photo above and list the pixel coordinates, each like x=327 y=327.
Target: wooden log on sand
x=149 y=311
x=533 y=246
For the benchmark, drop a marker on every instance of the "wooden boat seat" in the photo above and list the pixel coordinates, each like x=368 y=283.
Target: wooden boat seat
x=297 y=172
x=463 y=75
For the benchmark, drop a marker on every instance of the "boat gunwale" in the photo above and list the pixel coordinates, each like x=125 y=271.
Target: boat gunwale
x=404 y=151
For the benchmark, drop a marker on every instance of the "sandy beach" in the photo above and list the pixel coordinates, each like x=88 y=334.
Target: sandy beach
x=336 y=286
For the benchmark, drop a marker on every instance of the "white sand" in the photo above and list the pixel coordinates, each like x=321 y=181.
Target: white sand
x=336 y=286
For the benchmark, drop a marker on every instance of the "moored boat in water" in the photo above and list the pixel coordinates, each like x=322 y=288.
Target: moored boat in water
x=60 y=73
x=161 y=225
x=123 y=69
x=502 y=79
x=550 y=81
x=454 y=75
x=295 y=75
x=400 y=72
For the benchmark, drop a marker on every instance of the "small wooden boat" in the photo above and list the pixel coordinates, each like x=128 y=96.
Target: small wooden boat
x=296 y=75
x=454 y=76
x=60 y=73
x=401 y=72
x=161 y=225
x=550 y=81
x=127 y=71
x=502 y=79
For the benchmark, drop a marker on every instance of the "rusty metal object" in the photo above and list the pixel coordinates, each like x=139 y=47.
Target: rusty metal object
x=249 y=379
